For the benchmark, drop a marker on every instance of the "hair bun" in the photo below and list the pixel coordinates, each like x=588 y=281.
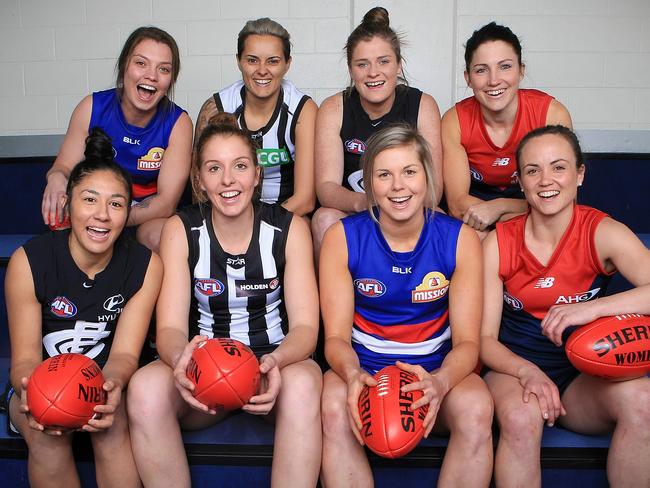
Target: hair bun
x=98 y=145
x=376 y=17
x=224 y=119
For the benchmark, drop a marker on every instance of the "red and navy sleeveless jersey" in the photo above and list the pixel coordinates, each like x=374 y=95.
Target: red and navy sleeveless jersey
x=401 y=302
x=493 y=169
x=78 y=314
x=139 y=150
x=573 y=274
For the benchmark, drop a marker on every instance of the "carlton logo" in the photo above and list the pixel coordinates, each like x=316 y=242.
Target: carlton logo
x=369 y=287
x=475 y=174
x=512 y=301
x=62 y=307
x=434 y=286
x=208 y=286
x=152 y=160
x=355 y=146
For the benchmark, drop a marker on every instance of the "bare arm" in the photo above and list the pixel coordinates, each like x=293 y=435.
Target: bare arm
x=329 y=159
x=304 y=195
x=558 y=115
x=174 y=170
x=208 y=110
x=429 y=127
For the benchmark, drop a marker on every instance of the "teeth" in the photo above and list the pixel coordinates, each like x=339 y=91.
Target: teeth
x=262 y=82
x=147 y=87
x=548 y=194
x=229 y=194
x=399 y=199
x=494 y=93
x=374 y=83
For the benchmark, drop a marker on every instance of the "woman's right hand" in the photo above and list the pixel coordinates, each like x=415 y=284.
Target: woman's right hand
x=52 y=205
x=536 y=382
x=33 y=424
x=183 y=384
x=356 y=383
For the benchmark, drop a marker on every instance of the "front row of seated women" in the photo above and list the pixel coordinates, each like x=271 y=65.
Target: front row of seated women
x=440 y=307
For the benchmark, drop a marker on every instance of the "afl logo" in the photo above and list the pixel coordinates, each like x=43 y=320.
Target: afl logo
x=369 y=287
x=475 y=174
x=209 y=287
x=515 y=303
x=62 y=307
x=355 y=146
x=275 y=282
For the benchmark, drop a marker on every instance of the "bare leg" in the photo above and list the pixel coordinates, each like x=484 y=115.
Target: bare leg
x=322 y=220
x=344 y=460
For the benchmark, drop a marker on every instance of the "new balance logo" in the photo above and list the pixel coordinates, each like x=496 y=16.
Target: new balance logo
x=501 y=162
x=545 y=282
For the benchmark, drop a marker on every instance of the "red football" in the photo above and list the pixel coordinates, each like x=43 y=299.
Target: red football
x=615 y=347
x=390 y=428
x=64 y=390
x=225 y=374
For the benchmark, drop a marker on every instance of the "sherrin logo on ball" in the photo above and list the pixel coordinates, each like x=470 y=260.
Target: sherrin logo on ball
x=370 y=287
x=225 y=374
x=389 y=427
x=616 y=347
x=64 y=390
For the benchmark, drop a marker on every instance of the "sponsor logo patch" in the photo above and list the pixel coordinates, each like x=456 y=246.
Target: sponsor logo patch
x=111 y=303
x=62 y=307
x=434 y=286
x=501 y=162
x=255 y=288
x=578 y=297
x=273 y=157
x=208 y=286
x=235 y=262
x=545 y=282
x=370 y=287
x=355 y=146
x=152 y=160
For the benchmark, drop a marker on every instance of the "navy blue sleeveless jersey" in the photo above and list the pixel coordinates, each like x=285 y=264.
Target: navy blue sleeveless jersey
x=78 y=314
x=139 y=150
x=401 y=303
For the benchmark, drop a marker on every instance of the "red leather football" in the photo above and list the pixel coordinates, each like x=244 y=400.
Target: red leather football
x=390 y=428
x=64 y=390
x=616 y=347
x=225 y=374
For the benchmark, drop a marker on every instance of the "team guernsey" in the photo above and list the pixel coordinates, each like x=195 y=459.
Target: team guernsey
x=79 y=315
x=401 y=302
x=277 y=138
x=573 y=274
x=238 y=296
x=139 y=150
x=357 y=127
x=493 y=169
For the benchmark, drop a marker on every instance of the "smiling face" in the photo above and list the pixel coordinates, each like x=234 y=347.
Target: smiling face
x=98 y=212
x=494 y=76
x=374 y=70
x=147 y=79
x=228 y=174
x=262 y=65
x=548 y=174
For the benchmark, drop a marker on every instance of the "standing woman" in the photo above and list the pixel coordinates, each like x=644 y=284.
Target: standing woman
x=377 y=97
x=556 y=252
x=481 y=133
x=426 y=316
x=280 y=117
x=152 y=136
x=259 y=259
x=111 y=284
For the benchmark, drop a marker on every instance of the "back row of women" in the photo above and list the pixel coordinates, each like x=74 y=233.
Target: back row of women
x=437 y=302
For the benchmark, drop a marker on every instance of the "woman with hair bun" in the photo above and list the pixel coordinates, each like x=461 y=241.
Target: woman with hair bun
x=85 y=265
x=480 y=134
x=231 y=237
x=280 y=117
x=377 y=97
x=152 y=136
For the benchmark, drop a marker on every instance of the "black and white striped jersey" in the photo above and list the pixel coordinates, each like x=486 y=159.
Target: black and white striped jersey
x=276 y=139
x=238 y=296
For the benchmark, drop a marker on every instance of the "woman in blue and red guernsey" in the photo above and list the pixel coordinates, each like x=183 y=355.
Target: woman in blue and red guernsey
x=545 y=271
x=152 y=136
x=401 y=284
x=480 y=134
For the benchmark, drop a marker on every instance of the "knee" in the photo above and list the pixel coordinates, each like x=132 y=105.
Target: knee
x=301 y=389
x=474 y=422
x=634 y=402
x=334 y=414
x=147 y=396
x=520 y=422
x=322 y=220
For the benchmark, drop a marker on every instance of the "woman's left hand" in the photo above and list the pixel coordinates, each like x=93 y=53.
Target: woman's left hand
x=270 y=382
x=105 y=414
x=559 y=317
x=432 y=393
x=482 y=215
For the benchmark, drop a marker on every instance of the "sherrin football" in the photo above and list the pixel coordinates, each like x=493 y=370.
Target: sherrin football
x=616 y=347
x=225 y=373
x=390 y=428
x=64 y=390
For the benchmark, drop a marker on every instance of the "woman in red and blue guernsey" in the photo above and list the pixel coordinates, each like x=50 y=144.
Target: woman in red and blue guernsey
x=400 y=284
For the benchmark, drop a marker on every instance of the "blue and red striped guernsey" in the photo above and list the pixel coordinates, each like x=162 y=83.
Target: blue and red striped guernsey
x=401 y=298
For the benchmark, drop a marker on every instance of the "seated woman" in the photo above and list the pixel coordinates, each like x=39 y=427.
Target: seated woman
x=345 y=121
x=232 y=238
x=88 y=264
x=280 y=117
x=152 y=136
x=480 y=134
x=555 y=252
x=408 y=248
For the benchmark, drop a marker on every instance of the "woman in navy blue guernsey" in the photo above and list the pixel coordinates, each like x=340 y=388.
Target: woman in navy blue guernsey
x=402 y=284
x=109 y=284
x=152 y=136
x=536 y=267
